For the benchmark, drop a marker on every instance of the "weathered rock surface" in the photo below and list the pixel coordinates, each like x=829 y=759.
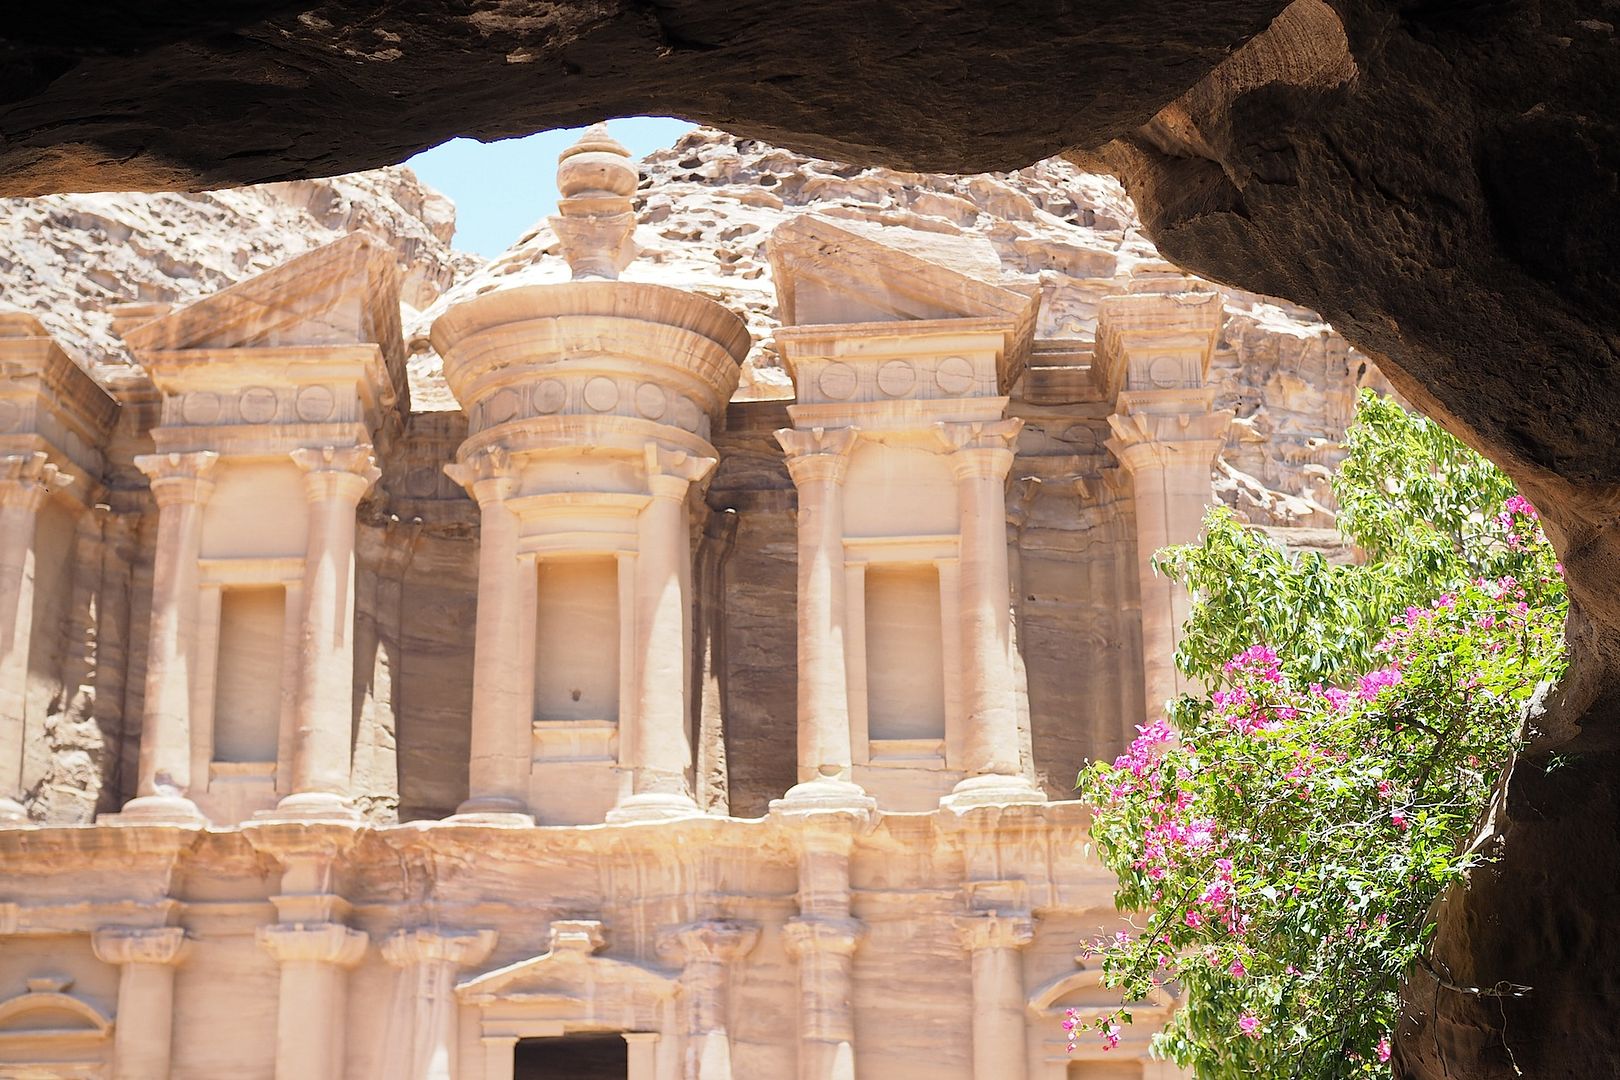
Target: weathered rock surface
x=69 y=259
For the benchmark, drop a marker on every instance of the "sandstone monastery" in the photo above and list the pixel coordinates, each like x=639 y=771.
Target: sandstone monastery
x=662 y=652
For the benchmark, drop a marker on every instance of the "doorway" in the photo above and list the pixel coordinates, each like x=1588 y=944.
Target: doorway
x=572 y=1057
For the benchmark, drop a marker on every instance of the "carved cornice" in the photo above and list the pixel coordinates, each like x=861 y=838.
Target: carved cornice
x=134 y=945
x=424 y=945
x=318 y=943
x=818 y=453
x=26 y=479
x=993 y=930
x=178 y=477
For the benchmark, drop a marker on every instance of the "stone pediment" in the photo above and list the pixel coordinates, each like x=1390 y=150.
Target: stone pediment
x=346 y=293
x=570 y=966
x=826 y=274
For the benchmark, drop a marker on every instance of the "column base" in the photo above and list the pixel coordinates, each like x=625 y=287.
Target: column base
x=652 y=806
x=991 y=789
x=824 y=794
x=12 y=812
x=156 y=810
x=492 y=810
x=311 y=806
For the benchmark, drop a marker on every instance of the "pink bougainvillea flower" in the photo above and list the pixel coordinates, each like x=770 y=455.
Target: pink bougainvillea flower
x=1398 y=819
x=1249 y=1025
x=1376 y=682
x=1383 y=1049
x=1237 y=970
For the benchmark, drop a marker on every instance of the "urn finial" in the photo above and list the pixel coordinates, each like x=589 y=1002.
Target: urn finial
x=595 y=215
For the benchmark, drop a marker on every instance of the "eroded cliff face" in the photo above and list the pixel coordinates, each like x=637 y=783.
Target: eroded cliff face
x=706 y=207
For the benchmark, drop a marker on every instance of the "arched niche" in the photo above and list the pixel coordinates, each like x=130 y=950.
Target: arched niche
x=48 y=1034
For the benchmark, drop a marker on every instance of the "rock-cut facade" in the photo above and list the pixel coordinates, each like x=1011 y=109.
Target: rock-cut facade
x=608 y=722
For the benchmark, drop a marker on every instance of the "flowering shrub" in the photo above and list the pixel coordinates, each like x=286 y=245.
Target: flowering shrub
x=1282 y=839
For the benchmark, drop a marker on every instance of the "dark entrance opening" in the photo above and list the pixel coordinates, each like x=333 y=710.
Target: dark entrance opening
x=572 y=1057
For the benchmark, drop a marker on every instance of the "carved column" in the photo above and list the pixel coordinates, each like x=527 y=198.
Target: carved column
x=1169 y=456
x=335 y=480
x=312 y=1005
x=146 y=959
x=822 y=940
x=1000 y=1050
x=981 y=455
x=181 y=486
x=429 y=961
x=706 y=951
x=818 y=461
x=657 y=752
x=824 y=949
x=25 y=482
x=503 y=700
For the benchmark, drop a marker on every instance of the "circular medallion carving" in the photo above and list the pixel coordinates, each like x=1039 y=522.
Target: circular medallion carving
x=502 y=406
x=315 y=403
x=258 y=404
x=651 y=400
x=1080 y=435
x=200 y=407
x=1164 y=372
x=896 y=378
x=837 y=381
x=955 y=375
x=549 y=396
x=10 y=415
x=422 y=483
x=687 y=416
x=601 y=394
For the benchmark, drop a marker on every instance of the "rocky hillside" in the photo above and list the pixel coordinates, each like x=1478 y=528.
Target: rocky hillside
x=706 y=207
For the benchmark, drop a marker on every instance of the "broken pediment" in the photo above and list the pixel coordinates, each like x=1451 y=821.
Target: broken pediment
x=828 y=274
x=345 y=293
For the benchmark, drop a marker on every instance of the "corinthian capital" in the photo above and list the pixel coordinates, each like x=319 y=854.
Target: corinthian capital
x=177 y=477
x=979 y=434
x=1149 y=440
x=818 y=453
x=25 y=479
x=136 y=945
x=714 y=940
x=320 y=943
x=487 y=474
x=810 y=936
x=994 y=930
x=671 y=472
x=333 y=471
x=421 y=945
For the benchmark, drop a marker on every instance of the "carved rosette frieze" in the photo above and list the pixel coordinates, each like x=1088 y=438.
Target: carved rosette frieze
x=818 y=453
x=179 y=477
x=120 y=945
x=313 y=943
x=994 y=930
x=337 y=472
x=26 y=479
x=585 y=393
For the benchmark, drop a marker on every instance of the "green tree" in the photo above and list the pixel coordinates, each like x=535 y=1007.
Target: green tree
x=1281 y=845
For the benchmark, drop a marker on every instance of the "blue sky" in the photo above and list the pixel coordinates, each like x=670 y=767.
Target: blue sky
x=502 y=188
